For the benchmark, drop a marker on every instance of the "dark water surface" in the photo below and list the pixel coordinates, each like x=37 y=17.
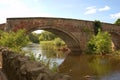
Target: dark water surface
x=81 y=67
x=89 y=67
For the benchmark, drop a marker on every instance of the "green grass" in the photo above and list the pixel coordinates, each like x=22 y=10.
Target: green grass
x=47 y=42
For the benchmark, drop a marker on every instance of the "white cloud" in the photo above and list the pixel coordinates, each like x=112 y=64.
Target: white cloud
x=115 y=16
x=18 y=8
x=106 y=8
x=91 y=10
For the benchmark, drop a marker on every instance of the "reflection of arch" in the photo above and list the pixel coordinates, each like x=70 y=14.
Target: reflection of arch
x=116 y=39
x=68 y=38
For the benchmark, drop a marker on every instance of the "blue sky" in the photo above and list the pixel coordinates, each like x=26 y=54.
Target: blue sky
x=103 y=10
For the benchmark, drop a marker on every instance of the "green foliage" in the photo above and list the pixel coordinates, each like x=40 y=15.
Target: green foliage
x=97 y=26
x=46 y=36
x=116 y=52
x=51 y=65
x=50 y=45
x=58 y=42
x=117 y=22
x=34 y=37
x=32 y=56
x=55 y=67
x=85 y=29
x=51 y=39
x=14 y=40
x=100 y=44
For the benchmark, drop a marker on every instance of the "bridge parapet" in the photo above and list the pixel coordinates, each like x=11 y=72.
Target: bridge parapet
x=110 y=27
x=2 y=26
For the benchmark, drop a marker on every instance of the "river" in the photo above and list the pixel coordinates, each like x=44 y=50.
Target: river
x=80 y=67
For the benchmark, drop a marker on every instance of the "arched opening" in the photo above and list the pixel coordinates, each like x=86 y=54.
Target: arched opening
x=68 y=38
x=50 y=46
x=115 y=40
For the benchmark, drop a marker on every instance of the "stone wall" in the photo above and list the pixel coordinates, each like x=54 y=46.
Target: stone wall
x=19 y=67
x=2 y=26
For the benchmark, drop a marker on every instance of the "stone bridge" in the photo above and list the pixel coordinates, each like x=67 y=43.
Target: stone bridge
x=75 y=33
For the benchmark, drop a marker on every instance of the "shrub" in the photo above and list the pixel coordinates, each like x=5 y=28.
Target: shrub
x=100 y=44
x=58 y=42
x=97 y=26
x=117 y=22
x=14 y=40
x=33 y=38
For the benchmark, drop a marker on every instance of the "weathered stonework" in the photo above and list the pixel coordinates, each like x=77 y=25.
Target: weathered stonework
x=2 y=26
x=18 y=67
x=75 y=33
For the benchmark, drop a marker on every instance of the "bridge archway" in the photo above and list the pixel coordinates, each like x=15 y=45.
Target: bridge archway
x=115 y=39
x=68 y=38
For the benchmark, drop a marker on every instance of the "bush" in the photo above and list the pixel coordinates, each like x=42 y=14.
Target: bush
x=97 y=26
x=117 y=22
x=100 y=44
x=47 y=36
x=33 y=38
x=14 y=40
x=58 y=42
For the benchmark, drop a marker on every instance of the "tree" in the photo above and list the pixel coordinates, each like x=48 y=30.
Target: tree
x=58 y=42
x=14 y=40
x=34 y=37
x=97 y=26
x=117 y=22
x=47 y=36
x=100 y=44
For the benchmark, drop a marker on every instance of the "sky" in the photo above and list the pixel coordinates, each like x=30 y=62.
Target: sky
x=104 y=10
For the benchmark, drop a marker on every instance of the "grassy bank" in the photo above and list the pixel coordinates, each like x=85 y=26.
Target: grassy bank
x=47 y=42
x=56 y=42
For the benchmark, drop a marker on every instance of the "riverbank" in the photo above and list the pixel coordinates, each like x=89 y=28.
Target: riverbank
x=60 y=46
x=53 y=42
x=19 y=67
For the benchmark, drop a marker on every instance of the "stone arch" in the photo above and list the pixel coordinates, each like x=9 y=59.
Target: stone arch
x=68 y=38
x=115 y=39
x=73 y=30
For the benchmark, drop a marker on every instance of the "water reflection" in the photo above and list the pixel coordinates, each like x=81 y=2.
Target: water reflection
x=80 y=67
x=91 y=67
x=47 y=52
x=51 y=51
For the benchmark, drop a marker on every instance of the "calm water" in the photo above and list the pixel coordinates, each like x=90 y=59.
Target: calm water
x=46 y=53
x=80 y=67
